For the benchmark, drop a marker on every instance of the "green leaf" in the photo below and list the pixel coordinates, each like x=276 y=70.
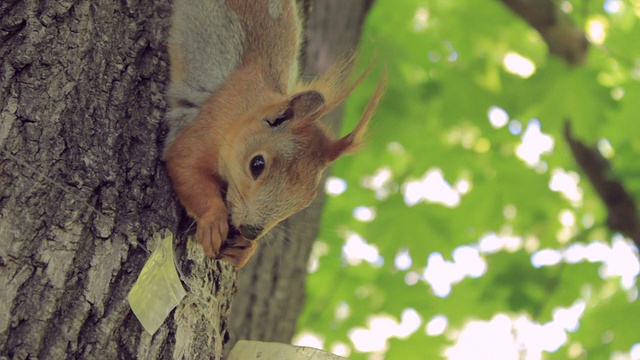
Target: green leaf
x=446 y=66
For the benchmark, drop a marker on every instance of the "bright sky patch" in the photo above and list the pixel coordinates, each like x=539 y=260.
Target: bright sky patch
x=518 y=65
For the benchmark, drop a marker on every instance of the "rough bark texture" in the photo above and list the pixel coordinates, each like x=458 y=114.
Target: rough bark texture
x=563 y=38
x=81 y=121
x=271 y=287
x=82 y=98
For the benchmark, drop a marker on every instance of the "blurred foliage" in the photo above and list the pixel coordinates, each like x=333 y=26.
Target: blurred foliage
x=445 y=61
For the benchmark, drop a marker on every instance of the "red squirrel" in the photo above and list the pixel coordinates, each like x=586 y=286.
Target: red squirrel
x=246 y=147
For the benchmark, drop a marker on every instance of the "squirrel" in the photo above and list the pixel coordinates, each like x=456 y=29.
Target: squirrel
x=246 y=148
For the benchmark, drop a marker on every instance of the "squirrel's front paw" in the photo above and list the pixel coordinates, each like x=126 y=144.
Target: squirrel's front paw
x=212 y=231
x=237 y=251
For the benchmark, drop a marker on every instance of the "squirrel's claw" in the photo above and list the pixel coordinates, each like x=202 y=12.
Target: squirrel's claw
x=237 y=251
x=212 y=230
x=212 y=234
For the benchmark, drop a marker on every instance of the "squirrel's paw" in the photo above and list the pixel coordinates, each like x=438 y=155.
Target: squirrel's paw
x=212 y=231
x=237 y=251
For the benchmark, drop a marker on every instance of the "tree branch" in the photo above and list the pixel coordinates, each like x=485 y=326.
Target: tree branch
x=621 y=208
x=563 y=38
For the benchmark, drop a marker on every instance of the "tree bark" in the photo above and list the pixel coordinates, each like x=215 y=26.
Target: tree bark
x=82 y=99
x=82 y=189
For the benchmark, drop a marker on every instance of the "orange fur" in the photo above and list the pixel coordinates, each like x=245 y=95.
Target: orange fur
x=261 y=111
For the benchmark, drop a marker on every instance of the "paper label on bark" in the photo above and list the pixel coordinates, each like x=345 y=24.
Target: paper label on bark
x=158 y=289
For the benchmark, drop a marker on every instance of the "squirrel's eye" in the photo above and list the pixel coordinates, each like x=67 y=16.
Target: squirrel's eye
x=256 y=166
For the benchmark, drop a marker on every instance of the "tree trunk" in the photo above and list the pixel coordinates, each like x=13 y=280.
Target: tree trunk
x=82 y=190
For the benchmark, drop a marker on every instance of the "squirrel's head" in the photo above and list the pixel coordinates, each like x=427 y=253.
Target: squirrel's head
x=273 y=162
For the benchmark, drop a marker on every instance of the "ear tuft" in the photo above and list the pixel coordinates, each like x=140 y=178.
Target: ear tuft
x=353 y=141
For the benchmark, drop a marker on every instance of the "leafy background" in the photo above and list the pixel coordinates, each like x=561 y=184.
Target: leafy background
x=447 y=66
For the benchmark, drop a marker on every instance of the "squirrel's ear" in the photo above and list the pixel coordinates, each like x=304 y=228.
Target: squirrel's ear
x=306 y=103
x=301 y=106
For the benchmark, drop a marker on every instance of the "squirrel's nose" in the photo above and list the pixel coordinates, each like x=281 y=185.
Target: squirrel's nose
x=250 y=232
